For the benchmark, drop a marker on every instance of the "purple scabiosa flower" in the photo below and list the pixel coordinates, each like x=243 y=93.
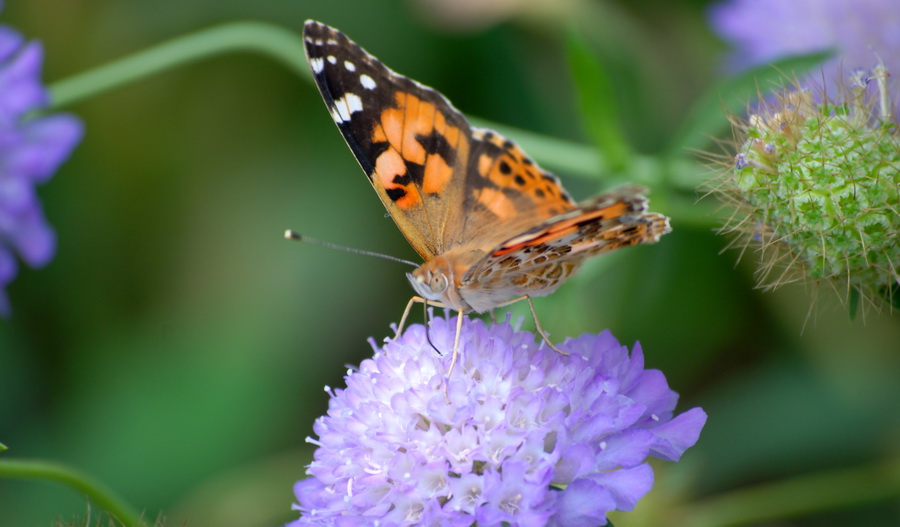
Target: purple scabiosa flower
x=31 y=149
x=862 y=32
x=522 y=436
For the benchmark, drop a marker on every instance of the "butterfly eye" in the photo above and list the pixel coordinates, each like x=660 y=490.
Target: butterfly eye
x=438 y=283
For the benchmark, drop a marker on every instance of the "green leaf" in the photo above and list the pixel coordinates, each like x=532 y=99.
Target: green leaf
x=709 y=115
x=597 y=102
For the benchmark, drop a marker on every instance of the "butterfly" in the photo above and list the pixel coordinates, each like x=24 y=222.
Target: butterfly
x=492 y=227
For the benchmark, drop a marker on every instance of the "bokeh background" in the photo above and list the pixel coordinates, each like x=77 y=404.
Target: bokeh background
x=177 y=347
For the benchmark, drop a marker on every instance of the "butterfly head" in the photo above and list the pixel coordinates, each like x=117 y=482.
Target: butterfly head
x=435 y=280
x=430 y=283
x=439 y=278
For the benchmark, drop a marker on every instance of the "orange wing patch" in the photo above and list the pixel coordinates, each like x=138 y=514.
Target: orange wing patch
x=511 y=184
x=437 y=175
x=497 y=202
x=419 y=141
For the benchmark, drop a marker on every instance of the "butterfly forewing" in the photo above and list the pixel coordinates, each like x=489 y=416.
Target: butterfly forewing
x=408 y=138
x=506 y=192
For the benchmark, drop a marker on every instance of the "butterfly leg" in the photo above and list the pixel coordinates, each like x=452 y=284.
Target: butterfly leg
x=459 y=321
x=540 y=330
x=425 y=303
x=409 y=305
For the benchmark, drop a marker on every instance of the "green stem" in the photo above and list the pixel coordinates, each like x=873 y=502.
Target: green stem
x=95 y=491
x=286 y=46
x=803 y=495
x=268 y=39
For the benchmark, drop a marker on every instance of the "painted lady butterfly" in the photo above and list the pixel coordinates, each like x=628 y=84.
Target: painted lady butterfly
x=492 y=227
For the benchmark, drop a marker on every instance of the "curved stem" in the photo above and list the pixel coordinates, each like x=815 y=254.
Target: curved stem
x=268 y=39
x=286 y=46
x=798 y=496
x=95 y=491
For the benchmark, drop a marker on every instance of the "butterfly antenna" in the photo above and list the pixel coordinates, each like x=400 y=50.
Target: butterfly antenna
x=291 y=235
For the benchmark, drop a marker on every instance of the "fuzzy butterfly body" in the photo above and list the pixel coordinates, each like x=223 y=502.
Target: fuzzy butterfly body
x=491 y=225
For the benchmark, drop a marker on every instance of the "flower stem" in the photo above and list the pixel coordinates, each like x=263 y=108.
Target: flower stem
x=286 y=46
x=95 y=491
x=802 y=495
x=268 y=39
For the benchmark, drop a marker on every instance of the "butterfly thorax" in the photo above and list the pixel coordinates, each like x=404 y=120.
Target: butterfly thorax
x=439 y=279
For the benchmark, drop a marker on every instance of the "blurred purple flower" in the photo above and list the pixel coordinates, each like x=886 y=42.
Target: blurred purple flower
x=527 y=437
x=31 y=149
x=862 y=32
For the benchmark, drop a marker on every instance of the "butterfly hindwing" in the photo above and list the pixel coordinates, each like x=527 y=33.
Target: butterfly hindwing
x=604 y=223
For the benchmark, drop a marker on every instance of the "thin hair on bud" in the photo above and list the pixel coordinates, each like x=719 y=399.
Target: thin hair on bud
x=765 y=179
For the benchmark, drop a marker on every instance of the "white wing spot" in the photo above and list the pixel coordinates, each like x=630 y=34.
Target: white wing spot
x=349 y=65
x=345 y=107
x=367 y=82
x=331 y=59
x=317 y=64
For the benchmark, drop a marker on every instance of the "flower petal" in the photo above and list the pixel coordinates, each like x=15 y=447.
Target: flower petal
x=584 y=503
x=627 y=485
x=679 y=434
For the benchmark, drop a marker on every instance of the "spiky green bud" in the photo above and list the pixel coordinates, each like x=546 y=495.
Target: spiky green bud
x=816 y=186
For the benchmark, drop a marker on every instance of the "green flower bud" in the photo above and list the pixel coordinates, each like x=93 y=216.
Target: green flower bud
x=815 y=184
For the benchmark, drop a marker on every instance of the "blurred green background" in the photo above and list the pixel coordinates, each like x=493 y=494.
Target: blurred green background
x=177 y=346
